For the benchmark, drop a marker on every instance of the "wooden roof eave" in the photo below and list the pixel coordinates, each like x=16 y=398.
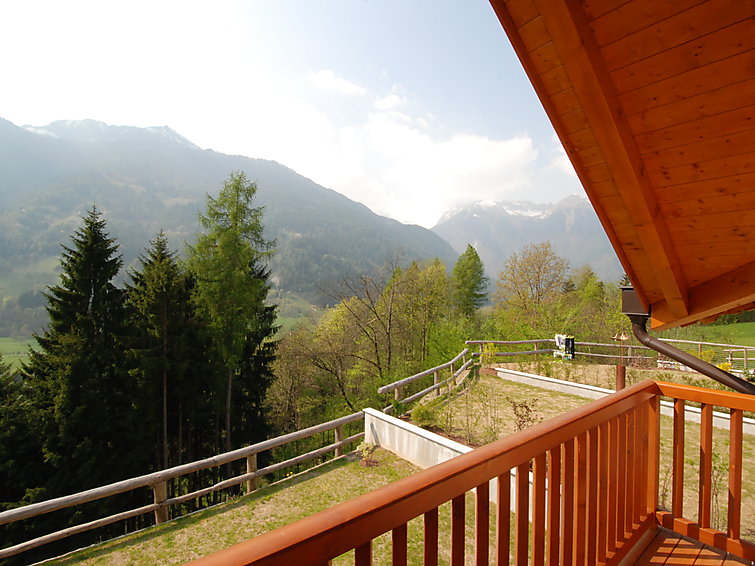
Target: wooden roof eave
x=574 y=42
x=730 y=292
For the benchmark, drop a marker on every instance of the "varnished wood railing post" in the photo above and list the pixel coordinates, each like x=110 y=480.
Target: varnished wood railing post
x=735 y=474
x=706 y=464
x=503 y=519
x=458 y=526
x=677 y=480
x=251 y=467
x=363 y=554
x=338 y=438
x=430 y=546
x=522 y=524
x=567 y=505
x=399 y=545
x=554 y=504
x=654 y=447
x=160 y=495
x=538 y=510
x=482 y=525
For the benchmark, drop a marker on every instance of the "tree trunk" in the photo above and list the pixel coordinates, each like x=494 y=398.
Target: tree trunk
x=165 y=380
x=229 y=389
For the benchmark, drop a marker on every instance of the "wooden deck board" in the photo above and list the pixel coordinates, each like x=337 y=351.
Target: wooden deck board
x=669 y=547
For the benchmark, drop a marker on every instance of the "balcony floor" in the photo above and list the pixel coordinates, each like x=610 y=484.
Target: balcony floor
x=671 y=548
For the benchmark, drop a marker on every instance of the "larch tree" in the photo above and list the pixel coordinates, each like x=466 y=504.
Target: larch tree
x=469 y=284
x=231 y=288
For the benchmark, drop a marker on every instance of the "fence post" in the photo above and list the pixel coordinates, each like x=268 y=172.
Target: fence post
x=397 y=393
x=160 y=495
x=621 y=373
x=251 y=466
x=745 y=359
x=435 y=382
x=339 y=438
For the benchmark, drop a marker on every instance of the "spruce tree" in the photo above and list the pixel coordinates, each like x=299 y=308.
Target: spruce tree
x=76 y=374
x=469 y=283
x=157 y=301
x=251 y=424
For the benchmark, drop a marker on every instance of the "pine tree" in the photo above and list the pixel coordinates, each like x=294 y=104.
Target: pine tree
x=229 y=290
x=79 y=387
x=469 y=283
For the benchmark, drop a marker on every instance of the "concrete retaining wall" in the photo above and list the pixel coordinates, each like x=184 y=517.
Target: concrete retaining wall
x=421 y=447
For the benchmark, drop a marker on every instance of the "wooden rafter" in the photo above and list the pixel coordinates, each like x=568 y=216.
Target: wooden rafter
x=574 y=40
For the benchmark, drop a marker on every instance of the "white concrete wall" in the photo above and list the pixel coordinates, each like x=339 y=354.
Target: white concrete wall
x=421 y=447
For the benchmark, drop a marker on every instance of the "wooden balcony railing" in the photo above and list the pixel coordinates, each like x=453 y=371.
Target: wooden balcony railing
x=595 y=493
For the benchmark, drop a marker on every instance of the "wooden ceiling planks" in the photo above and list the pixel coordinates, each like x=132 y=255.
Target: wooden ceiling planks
x=719 y=45
x=714 y=105
x=634 y=17
x=686 y=25
x=653 y=103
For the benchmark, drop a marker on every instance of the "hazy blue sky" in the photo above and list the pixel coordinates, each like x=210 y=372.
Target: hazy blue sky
x=409 y=106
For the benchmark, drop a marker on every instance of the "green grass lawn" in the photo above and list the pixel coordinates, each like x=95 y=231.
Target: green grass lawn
x=487 y=412
x=14 y=350
x=270 y=507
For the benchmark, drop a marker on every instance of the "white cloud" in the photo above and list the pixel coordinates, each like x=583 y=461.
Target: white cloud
x=327 y=80
x=390 y=102
x=393 y=165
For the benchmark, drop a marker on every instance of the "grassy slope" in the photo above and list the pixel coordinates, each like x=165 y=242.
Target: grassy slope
x=266 y=509
x=14 y=349
x=492 y=396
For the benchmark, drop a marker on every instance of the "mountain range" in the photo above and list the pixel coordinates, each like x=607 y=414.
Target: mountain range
x=498 y=229
x=149 y=179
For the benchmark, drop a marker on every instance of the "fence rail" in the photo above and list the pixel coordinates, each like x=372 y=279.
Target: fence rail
x=157 y=482
x=740 y=358
x=407 y=380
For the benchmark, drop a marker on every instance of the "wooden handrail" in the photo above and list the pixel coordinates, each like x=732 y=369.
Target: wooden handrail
x=354 y=523
x=416 y=376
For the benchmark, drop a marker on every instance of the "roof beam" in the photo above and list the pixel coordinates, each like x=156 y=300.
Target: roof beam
x=509 y=26
x=574 y=41
x=715 y=297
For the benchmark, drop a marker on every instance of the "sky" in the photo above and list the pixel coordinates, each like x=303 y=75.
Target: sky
x=412 y=107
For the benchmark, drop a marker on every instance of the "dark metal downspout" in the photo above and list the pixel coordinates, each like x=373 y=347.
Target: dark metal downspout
x=639 y=327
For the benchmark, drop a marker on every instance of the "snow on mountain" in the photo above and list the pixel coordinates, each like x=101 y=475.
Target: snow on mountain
x=497 y=230
x=94 y=131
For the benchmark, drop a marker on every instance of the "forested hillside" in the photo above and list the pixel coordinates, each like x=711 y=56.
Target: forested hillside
x=172 y=368
x=150 y=179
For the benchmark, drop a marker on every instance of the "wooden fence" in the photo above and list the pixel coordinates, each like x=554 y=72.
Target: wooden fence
x=158 y=483
x=398 y=386
x=740 y=359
